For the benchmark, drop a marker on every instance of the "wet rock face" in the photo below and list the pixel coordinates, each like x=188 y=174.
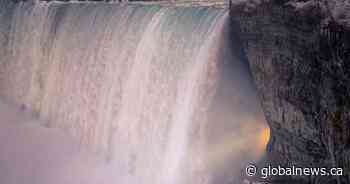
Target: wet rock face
x=302 y=72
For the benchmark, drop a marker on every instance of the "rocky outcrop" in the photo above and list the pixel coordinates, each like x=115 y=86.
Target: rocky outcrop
x=302 y=71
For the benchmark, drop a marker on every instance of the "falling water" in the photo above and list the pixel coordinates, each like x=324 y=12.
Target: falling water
x=163 y=92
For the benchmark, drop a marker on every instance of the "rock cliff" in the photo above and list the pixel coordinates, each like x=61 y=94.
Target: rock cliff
x=301 y=67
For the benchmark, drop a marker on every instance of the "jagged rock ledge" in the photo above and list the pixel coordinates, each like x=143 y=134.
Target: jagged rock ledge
x=302 y=71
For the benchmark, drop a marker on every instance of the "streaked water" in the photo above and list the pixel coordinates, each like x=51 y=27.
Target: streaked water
x=163 y=92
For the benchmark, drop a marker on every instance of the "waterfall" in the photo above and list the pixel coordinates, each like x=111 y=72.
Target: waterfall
x=161 y=91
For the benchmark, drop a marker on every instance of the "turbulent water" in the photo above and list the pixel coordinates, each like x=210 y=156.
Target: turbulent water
x=163 y=92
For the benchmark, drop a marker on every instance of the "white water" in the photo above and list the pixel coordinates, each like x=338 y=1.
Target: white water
x=153 y=89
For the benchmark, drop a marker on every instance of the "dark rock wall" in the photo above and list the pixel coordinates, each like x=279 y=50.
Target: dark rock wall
x=302 y=71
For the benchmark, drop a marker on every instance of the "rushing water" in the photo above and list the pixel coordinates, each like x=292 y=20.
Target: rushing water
x=163 y=92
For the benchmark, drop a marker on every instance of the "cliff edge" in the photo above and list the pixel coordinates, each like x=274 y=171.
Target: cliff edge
x=299 y=55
